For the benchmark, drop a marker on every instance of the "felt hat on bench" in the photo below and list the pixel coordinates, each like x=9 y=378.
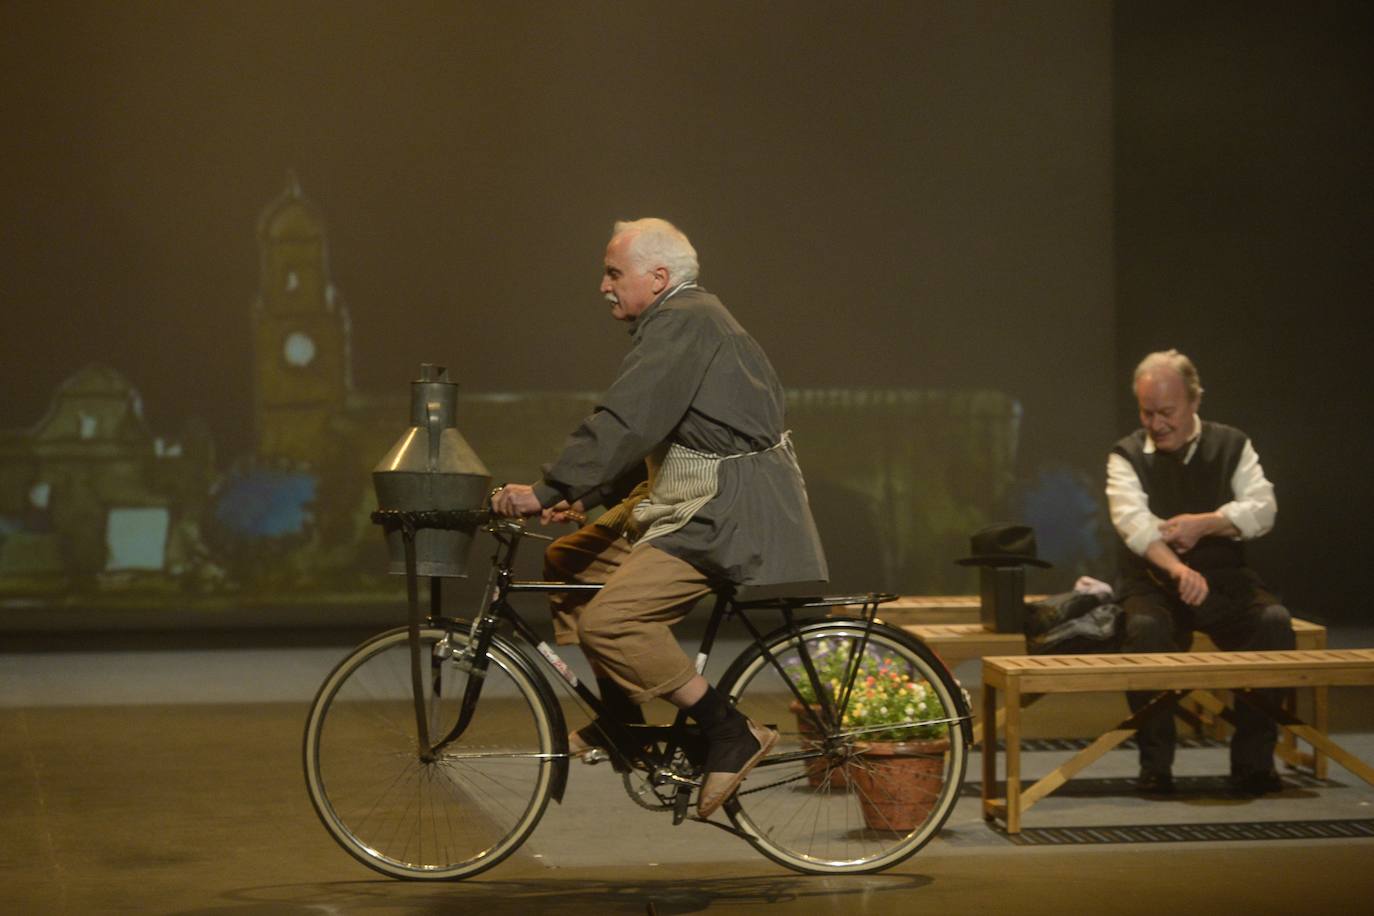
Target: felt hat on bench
x=1004 y=545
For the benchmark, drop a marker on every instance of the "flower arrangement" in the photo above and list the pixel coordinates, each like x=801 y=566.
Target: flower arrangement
x=885 y=693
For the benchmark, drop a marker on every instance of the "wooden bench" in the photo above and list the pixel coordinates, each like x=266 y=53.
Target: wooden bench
x=922 y=609
x=961 y=642
x=1007 y=679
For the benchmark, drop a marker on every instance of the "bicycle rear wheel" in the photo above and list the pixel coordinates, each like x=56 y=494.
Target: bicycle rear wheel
x=448 y=818
x=823 y=802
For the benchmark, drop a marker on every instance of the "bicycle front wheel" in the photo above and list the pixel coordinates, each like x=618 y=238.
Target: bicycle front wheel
x=448 y=817
x=833 y=798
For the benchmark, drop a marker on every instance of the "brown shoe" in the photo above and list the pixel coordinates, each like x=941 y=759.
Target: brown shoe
x=590 y=745
x=580 y=745
x=718 y=787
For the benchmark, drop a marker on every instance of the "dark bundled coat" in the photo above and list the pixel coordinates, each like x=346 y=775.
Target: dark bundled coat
x=694 y=376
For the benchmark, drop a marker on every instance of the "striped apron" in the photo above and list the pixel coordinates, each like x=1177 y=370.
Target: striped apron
x=684 y=481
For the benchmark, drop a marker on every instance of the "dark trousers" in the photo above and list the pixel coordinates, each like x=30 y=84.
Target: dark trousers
x=1158 y=622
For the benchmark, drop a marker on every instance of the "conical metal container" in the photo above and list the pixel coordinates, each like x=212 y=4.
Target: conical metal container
x=432 y=467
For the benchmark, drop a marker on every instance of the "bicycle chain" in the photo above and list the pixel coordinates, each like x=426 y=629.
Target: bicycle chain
x=644 y=790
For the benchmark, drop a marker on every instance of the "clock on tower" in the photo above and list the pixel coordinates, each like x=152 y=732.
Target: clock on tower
x=300 y=333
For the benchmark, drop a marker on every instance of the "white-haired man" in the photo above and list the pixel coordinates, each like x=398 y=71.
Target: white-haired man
x=697 y=400
x=1185 y=494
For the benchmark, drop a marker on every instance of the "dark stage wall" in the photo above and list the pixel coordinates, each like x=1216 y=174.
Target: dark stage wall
x=888 y=194
x=1244 y=134
x=901 y=196
x=922 y=196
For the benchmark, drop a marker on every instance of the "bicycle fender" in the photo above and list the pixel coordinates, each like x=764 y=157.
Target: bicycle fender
x=520 y=656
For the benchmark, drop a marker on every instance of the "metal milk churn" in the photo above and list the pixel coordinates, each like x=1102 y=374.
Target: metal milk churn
x=432 y=467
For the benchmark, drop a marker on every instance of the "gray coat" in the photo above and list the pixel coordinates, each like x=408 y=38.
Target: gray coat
x=694 y=376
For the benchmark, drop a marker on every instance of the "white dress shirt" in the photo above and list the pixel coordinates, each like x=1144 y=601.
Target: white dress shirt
x=1251 y=510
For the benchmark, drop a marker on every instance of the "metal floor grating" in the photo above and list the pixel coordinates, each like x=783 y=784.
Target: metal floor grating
x=1184 y=786
x=1195 y=833
x=1077 y=744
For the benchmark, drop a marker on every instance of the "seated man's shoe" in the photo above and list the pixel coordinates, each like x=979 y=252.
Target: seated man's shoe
x=1255 y=784
x=1155 y=782
x=729 y=761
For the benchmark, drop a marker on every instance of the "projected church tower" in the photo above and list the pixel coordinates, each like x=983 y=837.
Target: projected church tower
x=300 y=334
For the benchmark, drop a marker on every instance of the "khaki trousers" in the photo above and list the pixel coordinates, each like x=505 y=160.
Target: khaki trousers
x=626 y=627
x=588 y=555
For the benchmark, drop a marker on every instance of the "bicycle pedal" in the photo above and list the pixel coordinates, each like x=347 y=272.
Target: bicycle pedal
x=594 y=756
x=682 y=803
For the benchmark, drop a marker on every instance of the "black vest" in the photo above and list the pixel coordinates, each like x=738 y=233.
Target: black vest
x=1174 y=488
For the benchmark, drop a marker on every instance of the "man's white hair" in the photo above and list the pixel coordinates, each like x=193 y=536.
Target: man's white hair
x=1173 y=361
x=658 y=243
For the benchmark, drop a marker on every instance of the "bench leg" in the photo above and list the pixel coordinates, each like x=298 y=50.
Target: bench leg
x=1006 y=716
x=1002 y=716
x=989 y=730
x=1012 y=704
x=1319 y=711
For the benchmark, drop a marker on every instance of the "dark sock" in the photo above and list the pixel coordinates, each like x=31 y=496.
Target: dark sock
x=713 y=712
x=730 y=744
x=619 y=708
x=618 y=704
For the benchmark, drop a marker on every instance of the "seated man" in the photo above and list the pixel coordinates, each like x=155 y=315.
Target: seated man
x=1184 y=495
x=698 y=399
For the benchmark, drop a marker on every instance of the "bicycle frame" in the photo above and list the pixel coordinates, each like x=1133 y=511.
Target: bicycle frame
x=496 y=608
x=410 y=802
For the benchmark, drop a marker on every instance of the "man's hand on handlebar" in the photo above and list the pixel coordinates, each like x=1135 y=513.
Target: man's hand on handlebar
x=515 y=500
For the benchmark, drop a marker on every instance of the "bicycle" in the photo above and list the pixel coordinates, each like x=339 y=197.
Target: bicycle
x=410 y=806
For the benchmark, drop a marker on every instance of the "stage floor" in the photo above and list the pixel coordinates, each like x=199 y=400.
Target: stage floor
x=157 y=775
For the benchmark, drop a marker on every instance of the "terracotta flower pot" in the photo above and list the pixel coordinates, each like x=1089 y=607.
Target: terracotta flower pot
x=816 y=766
x=898 y=782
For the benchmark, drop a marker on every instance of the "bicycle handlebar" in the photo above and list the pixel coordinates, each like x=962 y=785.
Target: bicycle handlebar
x=412 y=520
x=392 y=519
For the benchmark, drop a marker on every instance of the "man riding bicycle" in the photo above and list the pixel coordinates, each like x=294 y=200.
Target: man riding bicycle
x=697 y=401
